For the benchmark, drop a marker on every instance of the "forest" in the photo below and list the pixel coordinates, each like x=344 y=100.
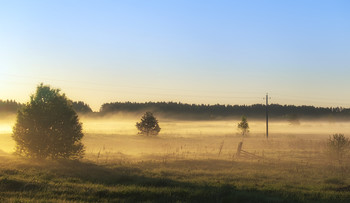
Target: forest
x=178 y=110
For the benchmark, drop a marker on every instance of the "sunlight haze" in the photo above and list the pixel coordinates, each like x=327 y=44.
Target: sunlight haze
x=175 y=101
x=227 y=52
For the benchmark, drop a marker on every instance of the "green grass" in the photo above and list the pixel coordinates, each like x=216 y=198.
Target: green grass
x=200 y=180
x=181 y=168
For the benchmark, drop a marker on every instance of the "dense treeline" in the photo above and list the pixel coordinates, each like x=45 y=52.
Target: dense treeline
x=11 y=106
x=204 y=112
x=81 y=107
x=217 y=111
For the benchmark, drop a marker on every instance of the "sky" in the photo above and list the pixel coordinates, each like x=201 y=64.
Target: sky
x=199 y=51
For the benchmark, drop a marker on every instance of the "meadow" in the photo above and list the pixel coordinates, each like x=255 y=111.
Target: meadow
x=190 y=161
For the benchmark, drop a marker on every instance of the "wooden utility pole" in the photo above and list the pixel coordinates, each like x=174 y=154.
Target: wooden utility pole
x=267 y=116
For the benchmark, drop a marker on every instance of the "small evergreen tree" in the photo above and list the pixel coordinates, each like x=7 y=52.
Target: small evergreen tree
x=338 y=146
x=243 y=126
x=148 y=125
x=48 y=127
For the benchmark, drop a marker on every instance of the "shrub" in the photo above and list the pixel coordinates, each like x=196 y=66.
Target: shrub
x=338 y=146
x=48 y=127
x=243 y=126
x=148 y=125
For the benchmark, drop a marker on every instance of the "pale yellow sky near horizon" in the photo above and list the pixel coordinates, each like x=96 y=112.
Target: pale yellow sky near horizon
x=95 y=93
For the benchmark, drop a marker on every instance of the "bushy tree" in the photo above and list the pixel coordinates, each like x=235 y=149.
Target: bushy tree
x=243 y=126
x=148 y=125
x=48 y=127
x=338 y=146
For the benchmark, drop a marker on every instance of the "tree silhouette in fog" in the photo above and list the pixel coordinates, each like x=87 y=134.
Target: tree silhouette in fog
x=338 y=146
x=243 y=126
x=148 y=125
x=48 y=127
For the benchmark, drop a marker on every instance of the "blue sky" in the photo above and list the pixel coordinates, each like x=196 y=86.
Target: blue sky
x=228 y=52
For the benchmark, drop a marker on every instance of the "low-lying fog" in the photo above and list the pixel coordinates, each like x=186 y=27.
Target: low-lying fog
x=118 y=135
x=222 y=127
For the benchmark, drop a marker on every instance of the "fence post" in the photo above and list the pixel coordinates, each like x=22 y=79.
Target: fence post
x=239 y=149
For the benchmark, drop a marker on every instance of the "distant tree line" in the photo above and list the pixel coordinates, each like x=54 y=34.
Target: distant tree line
x=11 y=106
x=217 y=111
x=81 y=107
x=178 y=110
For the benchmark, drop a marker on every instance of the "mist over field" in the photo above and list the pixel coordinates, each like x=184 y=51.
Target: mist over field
x=293 y=164
x=190 y=152
x=118 y=134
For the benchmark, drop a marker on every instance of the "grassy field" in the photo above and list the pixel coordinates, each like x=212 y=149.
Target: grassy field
x=190 y=164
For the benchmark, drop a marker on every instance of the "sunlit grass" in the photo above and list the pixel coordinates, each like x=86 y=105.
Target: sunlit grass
x=175 y=180
x=184 y=165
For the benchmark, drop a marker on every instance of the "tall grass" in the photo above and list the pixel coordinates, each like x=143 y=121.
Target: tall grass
x=182 y=180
